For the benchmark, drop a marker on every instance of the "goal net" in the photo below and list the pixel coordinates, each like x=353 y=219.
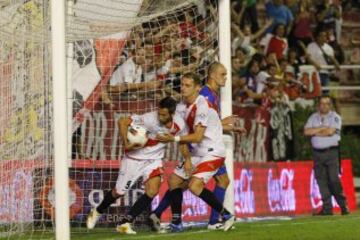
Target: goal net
x=123 y=56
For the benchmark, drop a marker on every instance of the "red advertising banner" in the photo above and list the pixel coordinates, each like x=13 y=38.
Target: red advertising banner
x=17 y=190
x=270 y=189
x=261 y=189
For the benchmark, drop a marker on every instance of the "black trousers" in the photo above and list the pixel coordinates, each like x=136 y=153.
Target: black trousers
x=326 y=169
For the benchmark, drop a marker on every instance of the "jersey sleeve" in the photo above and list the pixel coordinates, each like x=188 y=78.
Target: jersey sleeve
x=202 y=114
x=181 y=125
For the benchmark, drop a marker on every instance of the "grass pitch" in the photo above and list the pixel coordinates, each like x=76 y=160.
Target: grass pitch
x=300 y=228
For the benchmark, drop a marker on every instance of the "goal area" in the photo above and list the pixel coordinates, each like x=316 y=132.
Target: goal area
x=62 y=93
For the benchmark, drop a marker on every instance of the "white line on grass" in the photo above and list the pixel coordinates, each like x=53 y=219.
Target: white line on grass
x=159 y=235
x=261 y=225
x=319 y=220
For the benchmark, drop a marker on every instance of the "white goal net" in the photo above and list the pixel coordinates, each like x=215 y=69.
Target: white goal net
x=123 y=57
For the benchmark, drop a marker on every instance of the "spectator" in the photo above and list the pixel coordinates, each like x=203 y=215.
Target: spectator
x=250 y=14
x=242 y=59
x=251 y=82
x=326 y=14
x=319 y=54
x=129 y=72
x=294 y=6
x=338 y=51
x=263 y=77
x=237 y=67
x=294 y=61
x=302 y=27
x=276 y=42
x=245 y=38
x=261 y=59
x=280 y=13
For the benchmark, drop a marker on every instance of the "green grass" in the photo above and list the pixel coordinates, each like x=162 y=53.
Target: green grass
x=302 y=228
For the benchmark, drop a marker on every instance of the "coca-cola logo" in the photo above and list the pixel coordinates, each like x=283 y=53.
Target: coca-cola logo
x=244 y=195
x=315 y=195
x=281 y=193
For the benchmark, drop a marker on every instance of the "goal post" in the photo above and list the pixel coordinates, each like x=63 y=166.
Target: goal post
x=226 y=94
x=60 y=112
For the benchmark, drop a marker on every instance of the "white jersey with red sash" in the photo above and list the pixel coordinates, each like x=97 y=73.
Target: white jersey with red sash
x=208 y=155
x=154 y=149
x=146 y=162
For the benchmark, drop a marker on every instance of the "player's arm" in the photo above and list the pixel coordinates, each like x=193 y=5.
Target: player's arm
x=228 y=125
x=195 y=137
x=124 y=124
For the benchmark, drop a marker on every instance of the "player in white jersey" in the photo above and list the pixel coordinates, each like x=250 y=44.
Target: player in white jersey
x=143 y=162
x=207 y=151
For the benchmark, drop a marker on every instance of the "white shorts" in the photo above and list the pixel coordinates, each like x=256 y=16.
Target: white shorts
x=203 y=167
x=131 y=170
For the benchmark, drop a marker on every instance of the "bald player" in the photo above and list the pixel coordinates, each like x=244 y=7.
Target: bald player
x=211 y=91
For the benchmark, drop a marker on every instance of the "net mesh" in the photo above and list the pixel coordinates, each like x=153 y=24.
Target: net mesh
x=25 y=114
x=123 y=57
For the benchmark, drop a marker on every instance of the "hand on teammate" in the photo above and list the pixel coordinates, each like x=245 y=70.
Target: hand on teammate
x=229 y=124
x=165 y=137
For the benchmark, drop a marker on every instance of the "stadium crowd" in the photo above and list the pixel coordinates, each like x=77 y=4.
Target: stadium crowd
x=271 y=41
x=267 y=51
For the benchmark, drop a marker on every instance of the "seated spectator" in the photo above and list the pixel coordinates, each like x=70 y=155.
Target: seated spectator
x=294 y=61
x=261 y=59
x=338 y=51
x=280 y=13
x=129 y=77
x=319 y=54
x=242 y=60
x=263 y=77
x=237 y=66
x=127 y=73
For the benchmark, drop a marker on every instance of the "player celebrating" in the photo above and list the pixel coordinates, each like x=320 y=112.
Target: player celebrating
x=216 y=79
x=145 y=161
x=207 y=151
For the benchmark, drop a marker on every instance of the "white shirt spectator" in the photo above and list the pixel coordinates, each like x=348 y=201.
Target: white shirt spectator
x=313 y=49
x=128 y=72
x=261 y=80
x=150 y=75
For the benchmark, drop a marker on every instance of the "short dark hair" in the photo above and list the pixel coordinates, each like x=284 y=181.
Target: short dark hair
x=194 y=77
x=325 y=96
x=318 y=31
x=169 y=103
